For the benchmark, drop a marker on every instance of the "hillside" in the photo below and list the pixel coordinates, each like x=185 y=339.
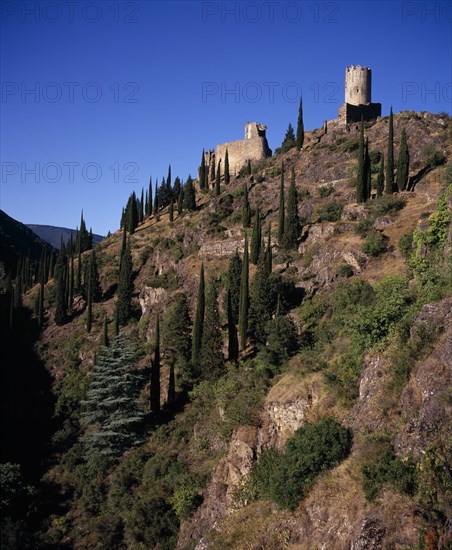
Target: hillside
x=53 y=235
x=356 y=350
x=16 y=240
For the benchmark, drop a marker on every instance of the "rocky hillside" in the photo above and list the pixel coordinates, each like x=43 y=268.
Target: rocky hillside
x=368 y=292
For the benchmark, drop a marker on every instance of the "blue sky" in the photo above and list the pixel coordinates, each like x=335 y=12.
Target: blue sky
x=99 y=95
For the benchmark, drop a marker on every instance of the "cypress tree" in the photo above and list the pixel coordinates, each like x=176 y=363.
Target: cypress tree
x=180 y=201
x=233 y=342
x=60 y=293
x=78 y=278
x=367 y=171
x=89 y=306
x=156 y=200
x=381 y=177
x=150 y=198
x=403 y=163
x=203 y=173
x=105 y=339
x=155 y=372
x=84 y=241
x=176 y=188
x=227 y=176
x=71 y=281
x=212 y=360
x=132 y=213
x=212 y=170
x=141 y=209
x=169 y=179
x=96 y=292
x=268 y=250
x=171 y=211
x=177 y=338
x=244 y=297
x=125 y=286
x=281 y=213
x=217 y=179
x=361 y=174
x=260 y=301
x=300 y=127
x=390 y=158
x=233 y=284
x=248 y=168
x=171 y=397
x=292 y=222
x=199 y=323
x=256 y=237
x=246 y=210
x=189 y=195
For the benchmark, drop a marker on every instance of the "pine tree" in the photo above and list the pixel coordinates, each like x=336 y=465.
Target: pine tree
x=403 y=163
x=244 y=298
x=246 y=210
x=361 y=174
x=256 y=238
x=110 y=410
x=155 y=372
x=125 y=286
x=227 y=176
x=177 y=339
x=233 y=342
x=292 y=221
x=84 y=241
x=281 y=212
x=199 y=323
x=212 y=360
x=381 y=177
x=233 y=284
x=217 y=180
x=300 y=127
x=105 y=339
x=390 y=158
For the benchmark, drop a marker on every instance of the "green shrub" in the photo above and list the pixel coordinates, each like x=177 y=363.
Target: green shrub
x=406 y=244
x=363 y=227
x=387 y=204
x=330 y=212
x=374 y=244
x=326 y=190
x=342 y=375
x=345 y=270
x=312 y=449
x=433 y=157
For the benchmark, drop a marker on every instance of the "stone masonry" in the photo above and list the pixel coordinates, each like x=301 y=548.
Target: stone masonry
x=358 y=96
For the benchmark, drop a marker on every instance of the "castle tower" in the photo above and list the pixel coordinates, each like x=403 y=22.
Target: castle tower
x=358 y=84
x=358 y=99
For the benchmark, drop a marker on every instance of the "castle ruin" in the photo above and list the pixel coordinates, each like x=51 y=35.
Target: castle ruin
x=253 y=147
x=358 y=99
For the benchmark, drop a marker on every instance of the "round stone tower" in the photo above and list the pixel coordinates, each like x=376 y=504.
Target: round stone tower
x=358 y=82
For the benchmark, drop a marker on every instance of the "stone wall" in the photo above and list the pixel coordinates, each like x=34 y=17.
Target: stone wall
x=358 y=85
x=353 y=113
x=254 y=147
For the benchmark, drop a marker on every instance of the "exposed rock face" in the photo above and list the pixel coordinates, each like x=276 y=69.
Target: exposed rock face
x=424 y=398
x=370 y=537
x=150 y=298
x=221 y=249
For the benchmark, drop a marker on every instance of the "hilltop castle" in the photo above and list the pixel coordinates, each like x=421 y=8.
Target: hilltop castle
x=358 y=99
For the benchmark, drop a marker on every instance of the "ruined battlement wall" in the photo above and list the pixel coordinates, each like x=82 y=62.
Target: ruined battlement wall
x=254 y=147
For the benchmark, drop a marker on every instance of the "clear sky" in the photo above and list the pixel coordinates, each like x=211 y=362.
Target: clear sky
x=99 y=95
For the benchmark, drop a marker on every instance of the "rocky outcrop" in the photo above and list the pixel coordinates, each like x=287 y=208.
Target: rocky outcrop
x=151 y=299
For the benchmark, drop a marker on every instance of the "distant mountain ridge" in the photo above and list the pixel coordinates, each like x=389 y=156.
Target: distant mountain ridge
x=53 y=235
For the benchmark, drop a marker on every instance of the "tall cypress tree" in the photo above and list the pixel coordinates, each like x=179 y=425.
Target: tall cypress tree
x=381 y=177
x=212 y=170
x=233 y=342
x=171 y=395
x=244 y=298
x=233 y=284
x=180 y=201
x=281 y=212
x=199 y=323
x=361 y=174
x=203 y=173
x=125 y=286
x=268 y=250
x=89 y=299
x=256 y=237
x=292 y=222
x=71 y=281
x=212 y=360
x=403 y=163
x=150 y=198
x=176 y=188
x=96 y=292
x=300 y=127
x=171 y=211
x=227 y=176
x=390 y=158
x=105 y=339
x=141 y=209
x=155 y=372
x=260 y=301
x=217 y=179
x=246 y=210
x=249 y=171
x=367 y=171
x=60 y=293
x=189 y=195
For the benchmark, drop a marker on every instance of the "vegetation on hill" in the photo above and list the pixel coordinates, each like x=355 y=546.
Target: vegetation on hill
x=167 y=339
